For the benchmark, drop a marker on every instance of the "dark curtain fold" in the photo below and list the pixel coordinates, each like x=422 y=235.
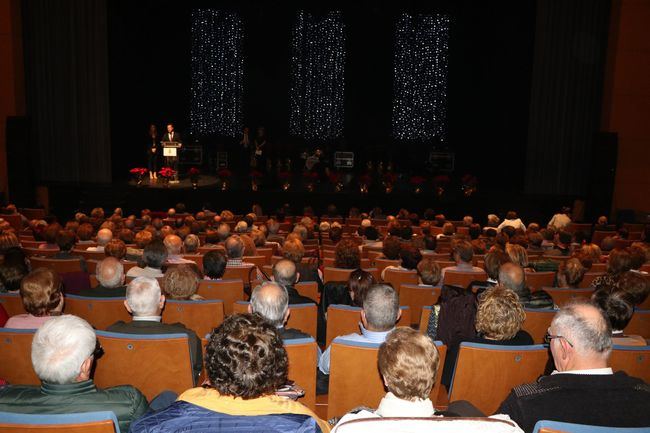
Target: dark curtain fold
x=66 y=70
x=566 y=94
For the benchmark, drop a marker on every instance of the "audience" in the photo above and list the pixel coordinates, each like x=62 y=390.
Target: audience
x=570 y=274
x=174 y=245
x=358 y=284
x=270 y=300
x=154 y=256
x=214 y=264
x=110 y=275
x=63 y=353
x=13 y=269
x=246 y=364
x=583 y=389
x=513 y=277
x=618 y=306
x=463 y=256
x=347 y=255
x=42 y=297
x=499 y=319
x=180 y=283
x=619 y=262
x=286 y=275
x=104 y=236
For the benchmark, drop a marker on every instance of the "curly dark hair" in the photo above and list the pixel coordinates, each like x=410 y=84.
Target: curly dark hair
x=391 y=248
x=347 y=255
x=245 y=357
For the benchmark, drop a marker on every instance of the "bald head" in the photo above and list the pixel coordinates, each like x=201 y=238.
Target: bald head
x=104 y=236
x=284 y=272
x=512 y=276
x=110 y=272
x=271 y=301
x=173 y=244
x=234 y=247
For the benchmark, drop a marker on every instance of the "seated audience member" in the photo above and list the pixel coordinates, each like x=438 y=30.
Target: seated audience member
x=145 y=302
x=249 y=245
x=104 y=236
x=463 y=255
x=110 y=275
x=619 y=308
x=246 y=364
x=65 y=240
x=535 y=243
x=429 y=272
x=115 y=248
x=391 y=248
x=570 y=274
x=142 y=239
x=85 y=234
x=235 y=251
x=214 y=264
x=608 y=244
x=492 y=222
x=602 y=224
x=13 y=269
x=270 y=300
x=562 y=245
x=358 y=284
x=561 y=220
x=63 y=353
x=448 y=231
x=42 y=298
x=591 y=252
x=223 y=231
x=513 y=277
x=499 y=319
x=347 y=255
x=379 y=314
x=518 y=256
x=191 y=244
x=639 y=254
x=180 y=283
x=174 y=245
x=512 y=220
x=493 y=261
x=154 y=256
x=49 y=235
x=409 y=259
x=408 y=362
x=211 y=239
x=583 y=389
x=636 y=286
x=336 y=234
x=619 y=263
x=3 y=317
x=286 y=275
x=8 y=240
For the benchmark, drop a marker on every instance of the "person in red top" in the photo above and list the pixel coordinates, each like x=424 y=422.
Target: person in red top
x=3 y=316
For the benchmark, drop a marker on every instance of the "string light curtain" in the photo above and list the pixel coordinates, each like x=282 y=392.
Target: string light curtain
x=317 y=76
x=217 y=73
x=420 y=77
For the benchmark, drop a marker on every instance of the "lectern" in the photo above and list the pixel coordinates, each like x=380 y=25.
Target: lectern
x=170 y=152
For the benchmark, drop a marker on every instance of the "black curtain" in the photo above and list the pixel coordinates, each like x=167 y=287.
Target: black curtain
x=66 y=81
x=566 y=94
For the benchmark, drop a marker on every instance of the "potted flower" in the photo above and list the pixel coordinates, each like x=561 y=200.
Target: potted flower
x=167 y=173
x=224 y=175
x=138 y=173
x=440 y=183
x=335 y=179
x=256 y=176
x=194 y=173
x=417 y=182
x=469 y=186
x=364 y=182
x=285 y=177
x=389 y=179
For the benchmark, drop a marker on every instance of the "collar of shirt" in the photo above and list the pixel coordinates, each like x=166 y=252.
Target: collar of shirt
x=374 y=336
x=147 y=318
x=234 y=262
x=594 y=371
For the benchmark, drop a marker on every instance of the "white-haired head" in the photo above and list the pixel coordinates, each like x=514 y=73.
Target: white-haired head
x=110 y=272
x=241 y=227
x=60 y=347
x=366 y=222
x=143 y=297
x=271 y=301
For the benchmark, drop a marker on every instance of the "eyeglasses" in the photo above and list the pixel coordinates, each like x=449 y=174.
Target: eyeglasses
x=548 y=337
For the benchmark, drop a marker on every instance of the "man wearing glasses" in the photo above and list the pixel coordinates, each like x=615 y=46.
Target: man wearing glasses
x=582 y=389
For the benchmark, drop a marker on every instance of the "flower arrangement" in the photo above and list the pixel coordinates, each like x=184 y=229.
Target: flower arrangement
x=441 y=180
x=256 y=174
x=418 y=180
x=470 y=183
x=224 y=173
x=194 y=171
x=138 y=171
x=310 y=176
x=167 y=172
x=389 y=177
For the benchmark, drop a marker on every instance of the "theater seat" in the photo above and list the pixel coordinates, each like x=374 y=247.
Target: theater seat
x=485 y=374
x=355 y=379
x=308 y=289
x=199 y=316
x=12 y=303
x=634 y=360
x=417 y=297
x=545 y=426
x=640 y=324
x=301 y=317
x=86 y=422
x=537 y=280
x=463 y=279
x=428 y=425
x=152 y=363
x=303 y=360
x=396 y=278
x=537 y=323
x=345 y=319
x=563 y=295
x=99 y=312
x=16 y=356
x=229 y=291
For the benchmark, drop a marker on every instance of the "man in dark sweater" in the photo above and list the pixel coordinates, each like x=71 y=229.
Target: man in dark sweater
x=583 y=390
x=285 y=274
x=271 y=301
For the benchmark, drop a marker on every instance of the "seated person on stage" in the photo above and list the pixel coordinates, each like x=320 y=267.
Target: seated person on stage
x=513 y=277
x=174 y=245
x=286 y=275
x=181 y=283
x=235 y=251
x=110 y=275
x=63 y=353
x=145 y=302
x=270 y=301
x=214 y=265
x=583 y=389
x=246 y=364
x=42 y=297
x=104 y=236
x=463 y=255
x=619 y=308
x=154 y=256
x=379 y=314
x=66 y=239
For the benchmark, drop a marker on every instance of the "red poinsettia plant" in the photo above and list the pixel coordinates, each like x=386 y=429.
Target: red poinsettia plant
x=224 y=173
x=441 y=180
x=256 y=174
x=284 y=175
x=469 y=180
x=390 y=177
x=334 y=177
x=310 y=175
x=418 y=180
x=194 y=171
x=138 y=171
x=167 y=172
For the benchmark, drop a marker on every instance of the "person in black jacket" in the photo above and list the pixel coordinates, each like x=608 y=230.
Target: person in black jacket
x=583 y=389
x=285 y=274
x=271 y=301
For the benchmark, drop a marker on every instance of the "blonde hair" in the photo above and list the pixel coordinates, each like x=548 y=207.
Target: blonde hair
x=499 y=315
x=408 y=362
x=517 y=254
x=293 y=250
x=180 y=282
x=41 y=292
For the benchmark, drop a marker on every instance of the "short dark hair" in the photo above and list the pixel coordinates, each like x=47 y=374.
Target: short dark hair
x=410 y=256
x=65 y=239
x=474 y=231
x=245 y=357
x=214 y=263
x=347 y=255
x=618 y=307
x=565 y=237
x=155 y=254
x=371 y=233
x=493 y=261
x=211 y=236
x=391 y=248
x=359 y=283
x=430 y=243
x=464 y=251
x=336 y=234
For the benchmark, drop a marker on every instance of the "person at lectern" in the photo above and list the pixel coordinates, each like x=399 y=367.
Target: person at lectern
x=172 y=136
x=153 y=151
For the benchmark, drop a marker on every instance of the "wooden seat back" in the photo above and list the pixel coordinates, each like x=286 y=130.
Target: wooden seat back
x=199 y=316
x=416 y=297
x=229 y=291
x=303 y=360
x=397 y=278
x=633 y=360
x=537 y=280
x=345 y=319
x=86 y=422
x=99 y=312
x=12 y=303
x=537 y=323
x=563 y=295
x=463 y=279
x=16 y=355
x=639 y=324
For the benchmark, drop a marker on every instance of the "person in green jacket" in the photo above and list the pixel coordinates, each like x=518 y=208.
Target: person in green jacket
x=63 y=353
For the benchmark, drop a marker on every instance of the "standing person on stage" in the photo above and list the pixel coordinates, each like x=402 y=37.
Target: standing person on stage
x=245 y=140
x=244 y=151
x=172 y=135
x=258 y=156
x=152 y=151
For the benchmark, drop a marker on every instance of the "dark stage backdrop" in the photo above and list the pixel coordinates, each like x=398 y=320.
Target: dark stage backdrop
x=490 y=64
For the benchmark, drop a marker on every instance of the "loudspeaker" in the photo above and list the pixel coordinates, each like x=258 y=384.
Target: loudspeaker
x=21 y=163
x=602 y=173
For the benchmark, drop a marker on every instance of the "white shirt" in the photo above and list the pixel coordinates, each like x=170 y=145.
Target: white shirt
x=147 y=318
x=144 y=272
x=559 y=221
x=595 y=371
x=517 y=224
